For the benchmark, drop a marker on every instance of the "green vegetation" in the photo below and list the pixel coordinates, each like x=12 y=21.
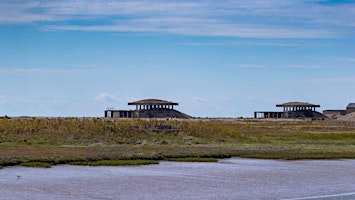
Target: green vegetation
x=116 y=162
x=192 y=159
x=36 y=164
x=66 y=140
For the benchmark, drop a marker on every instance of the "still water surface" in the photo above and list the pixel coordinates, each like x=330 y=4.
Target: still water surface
x=233 y=178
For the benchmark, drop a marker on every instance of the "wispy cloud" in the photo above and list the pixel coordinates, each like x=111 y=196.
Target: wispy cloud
x=248 y=19
x=302 y=67
x=285 y=66
x=67 y=70
x=52 y=100
x=106 y=97
x=334 y=80
x=199 y=100
x=266 y=42
x=253 y=66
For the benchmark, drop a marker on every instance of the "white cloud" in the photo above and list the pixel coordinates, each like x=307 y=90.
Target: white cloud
x=268 y=42
x=244 y=18
x=105 y=97
x=69 y=70
x=302 y=66
x=249 y=66
x=334 y=80
x=199 y=100
x=285 y=66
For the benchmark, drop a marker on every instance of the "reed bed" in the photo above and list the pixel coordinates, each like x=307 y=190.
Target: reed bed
x=65 y=140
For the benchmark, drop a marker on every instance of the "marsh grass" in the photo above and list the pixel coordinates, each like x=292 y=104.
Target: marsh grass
x=116 y=162
x=193 y=159
x=87 y=140
x=36 y=164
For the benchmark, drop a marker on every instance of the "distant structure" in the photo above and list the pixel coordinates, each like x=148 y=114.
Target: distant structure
x=334 y=113
x=148 y=108
x=337 y=113
x=350 y=108
x=292 y=110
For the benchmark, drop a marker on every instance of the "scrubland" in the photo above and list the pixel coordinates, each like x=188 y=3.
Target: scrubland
x=90 y=140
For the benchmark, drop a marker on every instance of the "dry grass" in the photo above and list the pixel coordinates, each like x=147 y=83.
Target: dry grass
x=65 y=140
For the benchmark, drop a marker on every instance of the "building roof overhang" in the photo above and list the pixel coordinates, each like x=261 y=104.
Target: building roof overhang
x=152 y=102
x=297 y=104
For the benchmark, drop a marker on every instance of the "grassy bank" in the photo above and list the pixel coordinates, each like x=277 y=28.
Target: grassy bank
x=116 y=162
x=36 y=164
x=66 y=140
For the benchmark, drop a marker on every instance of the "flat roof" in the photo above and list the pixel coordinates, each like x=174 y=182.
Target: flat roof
x=297 y=104
x=152 y=102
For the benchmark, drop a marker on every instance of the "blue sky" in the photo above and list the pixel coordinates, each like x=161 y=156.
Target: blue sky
x=215 y=58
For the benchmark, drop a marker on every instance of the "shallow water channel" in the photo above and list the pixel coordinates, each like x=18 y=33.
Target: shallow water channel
x=233 y=178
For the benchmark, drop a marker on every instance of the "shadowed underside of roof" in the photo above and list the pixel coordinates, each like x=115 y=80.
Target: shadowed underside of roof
x=297 y=104
x=152 y=102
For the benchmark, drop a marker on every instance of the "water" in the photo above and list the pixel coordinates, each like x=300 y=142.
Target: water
x=228 y=179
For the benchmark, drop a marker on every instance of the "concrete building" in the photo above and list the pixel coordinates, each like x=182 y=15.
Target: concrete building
x=350 y=108
x=148 y=108
x=334 y=113
x=292 y=110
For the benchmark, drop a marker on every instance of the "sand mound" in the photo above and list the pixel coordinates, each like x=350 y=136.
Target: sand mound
x=348 y=117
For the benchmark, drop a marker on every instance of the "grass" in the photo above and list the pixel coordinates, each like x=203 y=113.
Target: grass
x=193 y=159
x=116 y=162
x=89 y=140
x=36 y=164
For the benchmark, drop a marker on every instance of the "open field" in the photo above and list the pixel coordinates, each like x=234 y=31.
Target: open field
x=67 y=140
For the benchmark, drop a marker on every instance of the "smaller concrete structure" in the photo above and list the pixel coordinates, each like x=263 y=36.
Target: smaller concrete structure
x=119 y=113
x=292 y=110
x=334 y=113
x=268 y=114
x=350 y=108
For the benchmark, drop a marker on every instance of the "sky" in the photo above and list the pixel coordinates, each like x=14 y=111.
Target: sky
x=215 y=58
